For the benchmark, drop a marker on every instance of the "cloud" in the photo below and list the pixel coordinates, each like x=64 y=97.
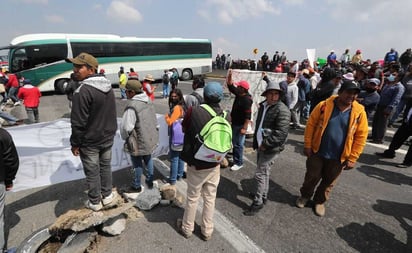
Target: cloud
x=222 y=45
x=381 y=11
x=228 y=11
x=123 y=12
x=54 y=19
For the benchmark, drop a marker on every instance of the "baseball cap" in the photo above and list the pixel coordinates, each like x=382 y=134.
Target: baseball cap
x=349 y=85
x=84 y=59
x=26 y=81
x=213 y=91
x=374 y=81
x=244 y=84
x=134 y=85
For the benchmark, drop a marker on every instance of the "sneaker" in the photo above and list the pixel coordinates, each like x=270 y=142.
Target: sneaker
x=252 y=197
x=253 y=209
x=236 y=167
x=180 y=230
x=320 y=210
x=205 y=237
x=386 y=154
x=17 y=103
x=149 y=184
x=132 y=193
x=301 y=202
x=109 y=199
x=402 y=165
x=94 y=207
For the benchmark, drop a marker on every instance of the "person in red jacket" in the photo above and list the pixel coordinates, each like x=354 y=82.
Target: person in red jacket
x=13 y=87
x=31 y=99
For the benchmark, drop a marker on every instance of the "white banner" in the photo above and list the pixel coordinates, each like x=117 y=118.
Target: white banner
x=46 y=158
x=311 y=53
x=257 y=87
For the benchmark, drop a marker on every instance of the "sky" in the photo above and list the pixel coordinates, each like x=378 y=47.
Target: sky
x=235 y=27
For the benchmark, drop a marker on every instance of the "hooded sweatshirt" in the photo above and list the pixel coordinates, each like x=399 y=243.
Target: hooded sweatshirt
x=93 y=116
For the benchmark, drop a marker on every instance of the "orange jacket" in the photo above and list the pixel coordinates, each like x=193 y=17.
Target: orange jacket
x=357 y=130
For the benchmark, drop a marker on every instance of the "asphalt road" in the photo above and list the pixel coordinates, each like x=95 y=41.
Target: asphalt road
x=370 y=209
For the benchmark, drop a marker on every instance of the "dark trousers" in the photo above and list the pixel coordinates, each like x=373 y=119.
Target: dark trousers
x=401 y=135
x=325 y=171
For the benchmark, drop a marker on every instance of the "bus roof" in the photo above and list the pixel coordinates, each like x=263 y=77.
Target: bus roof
x=47 y=37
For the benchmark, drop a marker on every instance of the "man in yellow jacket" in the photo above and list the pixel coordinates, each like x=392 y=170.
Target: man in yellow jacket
x=335 y=136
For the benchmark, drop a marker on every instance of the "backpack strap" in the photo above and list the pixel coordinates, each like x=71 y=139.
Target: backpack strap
x=211 y=111
x=197 y=96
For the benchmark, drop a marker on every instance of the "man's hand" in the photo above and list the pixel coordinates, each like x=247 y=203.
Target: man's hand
x=348 y=165
x=242 y=131
x=307 y=152
x=76 y=151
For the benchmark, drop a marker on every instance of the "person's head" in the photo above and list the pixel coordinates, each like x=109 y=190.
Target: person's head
x=198 y=82
x=133 y=87
x=306 y=73
x=375 y=65
x=272 y=93
x=243 y=86
x=102 y=71
x=149 y=78
x=213 y=93
x=348 y=92
x=176 y=97
x=290 y=77
x=361 y=73
x=131 y=69
x=358 y=51
x=84 y=65
x=348 y=76
x=327 y=75
x=372 y=85
x=26 y=81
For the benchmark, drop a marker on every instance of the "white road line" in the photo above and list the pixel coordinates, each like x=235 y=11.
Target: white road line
x=240 y=241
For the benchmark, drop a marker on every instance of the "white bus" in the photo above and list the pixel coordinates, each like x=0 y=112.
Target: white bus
x=41 y=57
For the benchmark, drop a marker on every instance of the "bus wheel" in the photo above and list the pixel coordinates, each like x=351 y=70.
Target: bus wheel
x=186 y=75
x=60 y=86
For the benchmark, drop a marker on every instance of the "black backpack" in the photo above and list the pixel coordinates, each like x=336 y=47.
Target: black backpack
x=165 y=78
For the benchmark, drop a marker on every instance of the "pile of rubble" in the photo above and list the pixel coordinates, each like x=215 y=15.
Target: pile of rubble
x=80 y=230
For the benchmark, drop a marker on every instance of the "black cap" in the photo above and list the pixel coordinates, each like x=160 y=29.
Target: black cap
x=349 y=85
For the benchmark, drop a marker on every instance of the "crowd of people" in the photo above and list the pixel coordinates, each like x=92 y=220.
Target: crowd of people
x=15 y=90
x=332 y=104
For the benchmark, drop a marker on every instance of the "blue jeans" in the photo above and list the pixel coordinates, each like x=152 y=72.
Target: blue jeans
x=176 y=166
x=96 y=165
x=165 y=90
x=123 y=93
x=398 y=111
x=137 y=162
x=238 y=141
x=13 y=93
x=10 y=118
